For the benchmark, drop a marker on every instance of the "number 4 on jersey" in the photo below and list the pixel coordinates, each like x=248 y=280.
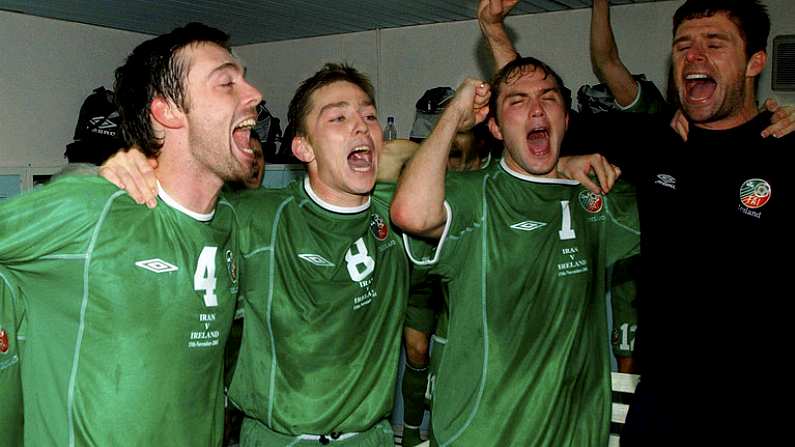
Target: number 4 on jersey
x=204 y=278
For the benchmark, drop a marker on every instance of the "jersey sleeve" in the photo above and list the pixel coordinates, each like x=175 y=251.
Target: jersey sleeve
x=56 y=219
x=623 y=225
x=648 y=100
x=11 y=334
x=463 y=205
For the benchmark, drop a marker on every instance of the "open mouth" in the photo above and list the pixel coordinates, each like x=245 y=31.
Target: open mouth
x=360 y=159
x=699 y=87
x=241 y=135
x=538 y=140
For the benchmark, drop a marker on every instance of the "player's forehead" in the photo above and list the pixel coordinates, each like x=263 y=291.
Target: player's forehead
x=531 y=81
x=718 y=24
x=338 y=95
x=205 y=59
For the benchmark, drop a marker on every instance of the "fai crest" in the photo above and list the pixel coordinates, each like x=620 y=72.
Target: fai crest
x=589 y=201
x=231 y=266
x=3 y=341
x=378 y=227
x=755 y=193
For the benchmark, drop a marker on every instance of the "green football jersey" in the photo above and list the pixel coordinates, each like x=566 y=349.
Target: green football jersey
x=127 y=312
x=325 y=294
x=11 y=335
x=623 y=292
x=526 y=361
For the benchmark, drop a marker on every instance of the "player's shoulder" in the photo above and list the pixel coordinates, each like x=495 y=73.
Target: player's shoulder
x=259 y=204
x=383 y=192
x=81 y=192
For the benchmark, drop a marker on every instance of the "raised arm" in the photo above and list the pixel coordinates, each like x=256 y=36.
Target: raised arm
x=605 y=61
x=418 y=205
x=394 y=156
x=491 y=14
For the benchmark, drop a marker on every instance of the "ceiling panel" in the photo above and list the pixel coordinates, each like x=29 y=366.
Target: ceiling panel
x=256 y=21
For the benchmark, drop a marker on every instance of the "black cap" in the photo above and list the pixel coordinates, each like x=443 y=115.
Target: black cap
x=98 y=130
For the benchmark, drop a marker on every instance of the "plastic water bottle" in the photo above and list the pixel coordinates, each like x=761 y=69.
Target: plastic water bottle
x=390 y=131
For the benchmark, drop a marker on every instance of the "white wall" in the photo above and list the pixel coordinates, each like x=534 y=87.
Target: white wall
x=47 y=68
x=404 y=62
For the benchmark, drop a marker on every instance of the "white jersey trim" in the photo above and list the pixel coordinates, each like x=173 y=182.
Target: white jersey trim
x=634 y=101
x=168 y=200
x=534 y=179
x=442 y=239
x=337 y=209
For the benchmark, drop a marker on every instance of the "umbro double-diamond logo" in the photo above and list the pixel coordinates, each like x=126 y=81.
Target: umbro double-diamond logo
x=317 y=260
x=157 y=265
x=528 y=225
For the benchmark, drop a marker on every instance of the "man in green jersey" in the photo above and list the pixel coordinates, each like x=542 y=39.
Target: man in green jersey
x=128 y=309
x=325 y=281
x=524 y=256
x=11 y=335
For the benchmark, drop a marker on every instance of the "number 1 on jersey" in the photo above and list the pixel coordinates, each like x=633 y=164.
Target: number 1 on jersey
x=204 y=278
x=566 y=232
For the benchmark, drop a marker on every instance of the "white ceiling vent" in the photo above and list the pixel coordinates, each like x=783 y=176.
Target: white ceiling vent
x=784 y=63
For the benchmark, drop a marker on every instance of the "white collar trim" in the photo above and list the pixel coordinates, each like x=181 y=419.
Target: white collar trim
x=534 y=179
x=168 y=200
x=337 y=209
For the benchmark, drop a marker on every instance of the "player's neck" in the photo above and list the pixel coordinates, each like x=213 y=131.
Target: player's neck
x=195 y=191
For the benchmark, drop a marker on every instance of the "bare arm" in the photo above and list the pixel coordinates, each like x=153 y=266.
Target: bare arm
x=491 y=14
x=395 y=155
x=418 y=205
x=606 y=63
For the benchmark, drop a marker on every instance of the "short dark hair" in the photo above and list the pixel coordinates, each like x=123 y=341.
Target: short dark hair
x=155 y=68
x=518 y=68
x=750 y=16
x=329 y=74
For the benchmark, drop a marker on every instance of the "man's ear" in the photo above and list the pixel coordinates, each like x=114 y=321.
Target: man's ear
x=756 y=64
x=302 y=149
x=495 y=129
x=166 y=113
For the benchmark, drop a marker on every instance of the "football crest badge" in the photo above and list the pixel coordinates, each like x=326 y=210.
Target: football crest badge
x=3 y=341
x=589 y=201
x=379 y=227
x=755 y=193
x=231 y=266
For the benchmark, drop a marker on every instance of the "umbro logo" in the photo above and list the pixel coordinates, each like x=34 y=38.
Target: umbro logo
x=528 y=225
x=666 y=180
x=318 y=260
x=103 y=125
x=100 y=122
x=157 y=265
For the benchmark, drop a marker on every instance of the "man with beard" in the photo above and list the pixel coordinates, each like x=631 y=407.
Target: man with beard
x=713 y=219
x=127 y=309
x=714 y=213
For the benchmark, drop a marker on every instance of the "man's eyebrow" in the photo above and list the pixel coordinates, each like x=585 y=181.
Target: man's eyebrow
x=333 y=105
x=718 y=35
x=515 y=94
x=227 y=66
x=341 y=104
